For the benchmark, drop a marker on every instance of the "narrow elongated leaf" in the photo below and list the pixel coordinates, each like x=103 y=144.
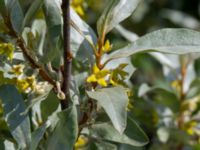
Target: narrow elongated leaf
x=14 y=106
x=16 y=14
x=114 y=13
x=32 y=11
x=114 y=101
x=174 y=41
x=54 y=25
x=133 y=134
x=65 y=134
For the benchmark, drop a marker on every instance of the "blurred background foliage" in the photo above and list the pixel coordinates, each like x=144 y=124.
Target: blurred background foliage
x=158 y=109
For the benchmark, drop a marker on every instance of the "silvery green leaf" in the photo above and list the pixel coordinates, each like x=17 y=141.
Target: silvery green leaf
x=19 y=125
x=115 y=12
x=190 y=76
x=32 y=11
x=174 y=41
x=83 y=38
x=104 y=146
x=37 y=135
x=114 y=101
x=53 y=19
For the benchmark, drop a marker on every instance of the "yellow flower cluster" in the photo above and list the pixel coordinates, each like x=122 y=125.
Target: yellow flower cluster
x=98 y=76
x=7 y=49
x=104 y=77
x=77 y=5
x=27 y=84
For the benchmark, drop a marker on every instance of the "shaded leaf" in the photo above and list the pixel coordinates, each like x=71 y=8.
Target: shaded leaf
x=54 y=25
x=66 y=132
x=37 y=136
x=3 y=8
x=14 y=106
x=16 y=14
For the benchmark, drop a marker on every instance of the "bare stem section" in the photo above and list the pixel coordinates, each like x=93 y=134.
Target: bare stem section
x=67 y=53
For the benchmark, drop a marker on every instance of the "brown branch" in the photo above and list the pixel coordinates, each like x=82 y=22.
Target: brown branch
x=67 y=53
x=34 y=64
x=20 y=42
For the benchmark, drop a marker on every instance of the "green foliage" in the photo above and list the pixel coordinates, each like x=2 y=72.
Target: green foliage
x=111 y=101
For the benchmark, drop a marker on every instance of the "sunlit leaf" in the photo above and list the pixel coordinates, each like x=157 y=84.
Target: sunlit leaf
x=114 y=101
x=115 y=12
x=174 y=41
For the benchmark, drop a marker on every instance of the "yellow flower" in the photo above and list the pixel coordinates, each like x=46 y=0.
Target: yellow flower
x=22 y=85
x=81 y=142
x=17 y=69
x=7 y=49
x=98 y=76
x=27 y=84
x=77 y=5
x=107 y=46
x=190 y=127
